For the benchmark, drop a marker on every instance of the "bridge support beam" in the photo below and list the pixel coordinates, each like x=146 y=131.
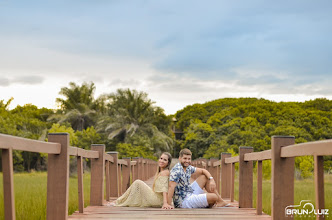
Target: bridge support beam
x=225 y=176
x=97 y=176
x=245 y=179
x=58 y=178
x=282 y=177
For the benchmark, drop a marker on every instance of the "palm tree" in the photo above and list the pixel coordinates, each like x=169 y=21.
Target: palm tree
x=79 y=107
x=132 y=113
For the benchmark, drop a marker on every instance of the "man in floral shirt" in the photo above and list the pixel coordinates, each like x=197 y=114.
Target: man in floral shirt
x=186 y=195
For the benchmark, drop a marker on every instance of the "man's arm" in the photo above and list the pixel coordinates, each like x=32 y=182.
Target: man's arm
x=212 y=183
x=171 y=188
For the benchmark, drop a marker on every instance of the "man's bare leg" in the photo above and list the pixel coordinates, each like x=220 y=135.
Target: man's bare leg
x=204 y=183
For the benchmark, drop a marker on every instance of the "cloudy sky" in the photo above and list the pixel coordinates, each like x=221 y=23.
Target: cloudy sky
x=179 y=52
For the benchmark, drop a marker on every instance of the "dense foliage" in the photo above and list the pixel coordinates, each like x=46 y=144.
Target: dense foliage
x=226 y=124
x=126 y=121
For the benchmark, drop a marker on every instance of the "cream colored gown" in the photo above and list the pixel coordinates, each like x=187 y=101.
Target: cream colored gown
x=141 y=195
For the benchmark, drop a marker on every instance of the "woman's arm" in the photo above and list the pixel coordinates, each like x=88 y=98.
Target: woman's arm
x=165 y=204
x=171 y=187
x=165 y=194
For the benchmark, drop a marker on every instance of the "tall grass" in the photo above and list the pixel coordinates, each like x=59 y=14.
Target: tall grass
x=30 y=195
x=304 y=190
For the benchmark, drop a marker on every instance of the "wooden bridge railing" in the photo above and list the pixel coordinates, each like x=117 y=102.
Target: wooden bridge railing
x=117 y=172
x=282 y=154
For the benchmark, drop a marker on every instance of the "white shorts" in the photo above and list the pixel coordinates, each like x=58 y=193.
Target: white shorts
x=197 y=199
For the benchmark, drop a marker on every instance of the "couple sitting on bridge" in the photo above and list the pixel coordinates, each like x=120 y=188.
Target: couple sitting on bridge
x=174 y=185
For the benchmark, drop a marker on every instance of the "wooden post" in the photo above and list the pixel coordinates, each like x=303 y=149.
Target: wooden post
x=8 y=183
x=146 y=169
x=58 y=178
x=108 y=180
x=120 y=178
x=225 y=176
x=319 y=185
x=245 y=179
x=206 y=163
x=126 y=175
x=259 y=188
x=282 y=177
x=140 y=169
x=80 y=184
x=114 y=191
x=97 y=176
x=218 y=179
x=232 y=181
x=213 y=171
x=135 y=169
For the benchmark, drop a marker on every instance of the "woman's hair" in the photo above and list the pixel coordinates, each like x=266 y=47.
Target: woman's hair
x=167 y=167
x=168 y=164
x=169 y=161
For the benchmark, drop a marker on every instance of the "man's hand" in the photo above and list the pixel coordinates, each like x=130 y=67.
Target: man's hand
x=212 y=185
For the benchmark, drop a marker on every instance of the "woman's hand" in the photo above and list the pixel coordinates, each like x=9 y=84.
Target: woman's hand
x=167 y=206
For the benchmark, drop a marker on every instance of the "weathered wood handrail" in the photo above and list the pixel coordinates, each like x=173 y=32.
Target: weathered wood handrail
x=103 y=165
x=122 y=162
x=18 y=143
x=319 y=148
x=232 y=159
x=282 y=153
x=258 y=156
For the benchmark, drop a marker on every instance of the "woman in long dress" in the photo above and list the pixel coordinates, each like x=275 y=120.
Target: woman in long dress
x=139 y=194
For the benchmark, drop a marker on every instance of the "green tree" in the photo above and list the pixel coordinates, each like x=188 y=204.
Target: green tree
x=79 y=106
x=132 y=114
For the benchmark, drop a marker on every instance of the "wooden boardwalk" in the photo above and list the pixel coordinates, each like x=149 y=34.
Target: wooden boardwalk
x=111 y=212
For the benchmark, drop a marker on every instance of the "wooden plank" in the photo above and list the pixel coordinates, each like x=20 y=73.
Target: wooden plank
x=72 y=151
x=319 y=185
x=135 y=168
x=87 y=153
x=80 y=184
x=245 y=179
x=282 y=181
x=133 y=163
x=232 y=187
x=97 y=176
x=8 y=183
x=217 y=163
x=140 y=169
x=108 y=179
x=120 y=179
x=136 y=213
x=112 y=212
x=76 y=151
x=126 y=175
x=114 y=175
x=319 y=148
x=109 y=158
x=214 y=172
x=232 y=159
x=264 y=155
x=58 y=178
x=225 y=175
x=122 y=162
x=24 y=144
x=259 y=199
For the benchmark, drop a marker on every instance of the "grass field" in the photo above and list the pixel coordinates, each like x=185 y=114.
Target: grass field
x=30 y=194
x=304 y=190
